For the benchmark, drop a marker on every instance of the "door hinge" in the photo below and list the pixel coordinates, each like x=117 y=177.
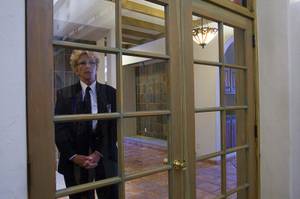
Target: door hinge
x=255 y=131
x=253 y=41
x=28 y=174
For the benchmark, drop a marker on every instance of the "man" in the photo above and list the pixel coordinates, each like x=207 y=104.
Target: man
x=88 y=148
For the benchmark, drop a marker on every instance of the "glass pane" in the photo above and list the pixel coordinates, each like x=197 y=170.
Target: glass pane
x=236 y=170
x=72 y=68
x=143 y=26
x=235 y=129
x=242 y=194
x=91 y=22
x=206 y=40
x=234 y=49
x=86 y=150
x=240 y=2
x=146 y=83
x=149 y=187
x=233 y=196
x=234 y=87
x=98 y=194
x=208 y=133
x=144 y=137
x=206 y=86
x=208 y=180
x=84 y=154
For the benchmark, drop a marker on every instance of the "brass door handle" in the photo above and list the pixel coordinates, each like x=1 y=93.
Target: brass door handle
x=179 y=165
x=176 y=164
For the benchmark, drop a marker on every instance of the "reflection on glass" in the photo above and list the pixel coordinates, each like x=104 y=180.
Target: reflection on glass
x=208 y=132
x=236 y=170
x=206 y=86
x=146 y=84
x=235 y=129
x=143 y=26
x=234 y=45
x=145 y=143
x=86 y=150
x=149 y=187
x=234 y=87
x=89 y=22
x=205 y=37
x=208 y=179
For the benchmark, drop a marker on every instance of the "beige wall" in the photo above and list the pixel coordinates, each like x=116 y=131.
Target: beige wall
x=13 y=172
x=279 y=58
x=294 y=88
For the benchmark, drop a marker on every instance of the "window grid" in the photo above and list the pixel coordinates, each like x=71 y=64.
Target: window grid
x=223 y=109
x=120 y=114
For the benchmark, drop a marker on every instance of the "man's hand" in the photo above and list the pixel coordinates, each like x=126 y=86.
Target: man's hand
x=87 y=162
x=93 y=160
x=81 y=160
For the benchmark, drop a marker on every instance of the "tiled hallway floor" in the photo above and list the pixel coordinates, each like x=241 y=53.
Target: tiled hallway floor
x=143 y=155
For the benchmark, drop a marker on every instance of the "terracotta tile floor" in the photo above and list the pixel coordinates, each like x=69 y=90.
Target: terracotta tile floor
x=143 y=155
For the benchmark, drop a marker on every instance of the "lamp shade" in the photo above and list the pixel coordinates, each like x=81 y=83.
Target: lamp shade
x=202 y=35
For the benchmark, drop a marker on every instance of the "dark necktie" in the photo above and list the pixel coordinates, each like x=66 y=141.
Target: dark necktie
x=87 y=101
x=87 y=108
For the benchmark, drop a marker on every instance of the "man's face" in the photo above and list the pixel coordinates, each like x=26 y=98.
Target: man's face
x=86 y=69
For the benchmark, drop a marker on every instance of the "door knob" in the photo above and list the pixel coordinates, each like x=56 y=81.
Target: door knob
x=179 y=164
x=176 y=164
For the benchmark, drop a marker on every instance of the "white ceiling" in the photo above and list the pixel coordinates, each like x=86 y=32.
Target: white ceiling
x=93 y=19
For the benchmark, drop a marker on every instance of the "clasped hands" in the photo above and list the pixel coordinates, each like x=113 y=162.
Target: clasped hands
x=87 y=162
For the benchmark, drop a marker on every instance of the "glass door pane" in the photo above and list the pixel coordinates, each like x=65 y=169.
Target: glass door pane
x=149 y=187
x=91 y=22
x=205 y=39
x=221 y=109
x=112 y=99
x=82 y=156
x=143 y=26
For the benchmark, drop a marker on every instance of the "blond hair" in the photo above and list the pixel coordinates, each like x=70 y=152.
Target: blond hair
x=76 y=54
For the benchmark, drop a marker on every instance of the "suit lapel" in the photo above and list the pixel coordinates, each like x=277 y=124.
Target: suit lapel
x=101 y=98
x=77 y=98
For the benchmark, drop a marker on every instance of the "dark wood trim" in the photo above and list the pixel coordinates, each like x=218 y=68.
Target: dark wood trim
x=142 y=24
x=244 y=11
x=140 y=8
x=132 y=41
x=138 y=34
x=41 y=153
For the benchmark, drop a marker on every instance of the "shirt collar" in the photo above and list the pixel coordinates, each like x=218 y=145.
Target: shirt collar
x=84 y=86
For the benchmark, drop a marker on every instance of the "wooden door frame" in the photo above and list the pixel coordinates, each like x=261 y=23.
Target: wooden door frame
x=40 y=128
x=40 y=136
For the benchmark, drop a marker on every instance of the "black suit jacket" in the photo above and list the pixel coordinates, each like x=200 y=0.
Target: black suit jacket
x=73 y=138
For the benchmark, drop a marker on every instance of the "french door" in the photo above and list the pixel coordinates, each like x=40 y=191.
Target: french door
x=173 y=97
x=224 y=138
